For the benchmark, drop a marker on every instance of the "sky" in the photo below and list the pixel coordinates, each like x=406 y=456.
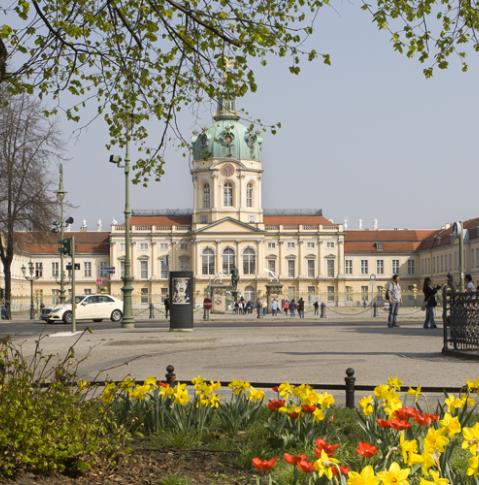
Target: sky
x=367 y=137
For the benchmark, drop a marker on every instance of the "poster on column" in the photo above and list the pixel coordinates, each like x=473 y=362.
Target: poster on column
x=181 y=298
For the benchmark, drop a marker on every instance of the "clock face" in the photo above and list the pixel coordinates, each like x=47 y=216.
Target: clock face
x=228 y=139
x=228 y=170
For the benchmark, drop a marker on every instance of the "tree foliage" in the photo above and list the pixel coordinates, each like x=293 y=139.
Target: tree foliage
x=147 y=59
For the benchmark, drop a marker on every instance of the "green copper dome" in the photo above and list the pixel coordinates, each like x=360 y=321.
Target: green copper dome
x=227 y=138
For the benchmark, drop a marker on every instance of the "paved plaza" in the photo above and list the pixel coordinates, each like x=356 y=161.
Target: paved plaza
x=315 y=351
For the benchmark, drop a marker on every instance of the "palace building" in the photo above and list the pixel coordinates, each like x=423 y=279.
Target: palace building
x=302 y=251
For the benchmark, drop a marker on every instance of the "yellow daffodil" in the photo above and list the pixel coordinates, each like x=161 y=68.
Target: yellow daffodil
x=324 y=465
x=435 y=480
x=139 y=392
x=472 y=385
x=451 y=424
x=318 y=415
x=428 y=460
x=390 y=406
x=395 y=475
x=150 y=381
x=109 y=392
x=239 y=387
x=365 y=477
x=181 y=395
x=473 y=466
x=395 y=383
x=471 y=439
x=255 y=394
x=414 y=392
x=325 y=400
x=435 y=440
x=382 y=390
x=455 y=403
x=285 y=390
x=367 y=405
x=409 y=452
x=127 y=383
x=82 y=384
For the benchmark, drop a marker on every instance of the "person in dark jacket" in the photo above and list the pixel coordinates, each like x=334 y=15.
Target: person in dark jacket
x=429 y=302
x=301 y=308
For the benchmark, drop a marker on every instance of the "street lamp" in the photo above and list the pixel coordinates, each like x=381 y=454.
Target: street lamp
x=31 y=276
x=127 y=321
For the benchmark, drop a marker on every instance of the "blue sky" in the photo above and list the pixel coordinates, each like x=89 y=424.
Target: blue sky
x=367 y=137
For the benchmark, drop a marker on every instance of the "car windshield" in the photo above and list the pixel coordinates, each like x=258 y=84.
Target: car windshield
x=78 y=299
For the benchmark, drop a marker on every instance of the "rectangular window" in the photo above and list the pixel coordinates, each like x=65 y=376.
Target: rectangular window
x=183 y=245
x=380 y=266
x=87 y=269
x=55 y=296
x=184 y=263
x=364 y=293
x=164 y=293
x=330 y=244
x=272 y=265
x=144 y=270
x=411 y=267
x=164 y=245
x=395 y=266
x=55 y=269
x=164 y=267
x=349 y=266
x=364 y=266
x=38 y=270
x=331 y=294
x=203 y=219
x=311 y=268
x=271 y=245
x=349 y=294
x=310 y=245
x=103 y=265
x=291 y=292
x=143 y=246
x=331 y=268
x=291 y=268
x=87 y=291
x=122 y=268
x=144 y=296
x=291 y=245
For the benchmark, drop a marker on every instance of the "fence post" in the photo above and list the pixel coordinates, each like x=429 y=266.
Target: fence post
x=350 y=381
x=170 y=375
x=323 y=310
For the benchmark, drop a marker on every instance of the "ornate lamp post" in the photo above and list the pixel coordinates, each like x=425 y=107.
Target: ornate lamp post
x=61 y=197
x=31 y=276
x=127 y=321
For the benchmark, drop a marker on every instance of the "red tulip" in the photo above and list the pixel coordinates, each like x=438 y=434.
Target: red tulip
x=328 y=448
x=344 y=470
x=264 y=465
x=399 y=424
x=426 y=419
x=293 y=459
x=306 y=466
x=366 y=450
x=306 y=408
x=406 y=413
x=275 y=404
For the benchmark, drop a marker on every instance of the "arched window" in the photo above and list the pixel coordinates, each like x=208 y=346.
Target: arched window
x=249 y=261
x=249 y=195
x=208 y=262
x=206 y=196
x=228 y=260
x=249 y=293
x=228 y=194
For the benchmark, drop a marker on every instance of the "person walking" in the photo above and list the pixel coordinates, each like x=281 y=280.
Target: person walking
x=166 y=303
x=274 y=308
x=207 y=304
x=301 y=308
x=285 y=307
x=316 y=308
x=292 y=308
x=429 y=302
x=258 y=307
x=394 y=296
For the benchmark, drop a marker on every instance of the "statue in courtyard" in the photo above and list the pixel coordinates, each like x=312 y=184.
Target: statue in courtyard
x=234 y=277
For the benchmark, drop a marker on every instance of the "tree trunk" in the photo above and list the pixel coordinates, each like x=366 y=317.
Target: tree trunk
x=7 y=271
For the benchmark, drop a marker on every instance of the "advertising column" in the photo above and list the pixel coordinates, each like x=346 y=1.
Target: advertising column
x=181 y=301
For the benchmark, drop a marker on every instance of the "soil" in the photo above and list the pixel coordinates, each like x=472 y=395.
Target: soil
x=153 y=467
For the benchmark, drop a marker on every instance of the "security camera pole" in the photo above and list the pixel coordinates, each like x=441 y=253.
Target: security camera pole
x=61 y=197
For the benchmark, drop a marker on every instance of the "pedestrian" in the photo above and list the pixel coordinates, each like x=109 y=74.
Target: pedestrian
x=285 y=307
x=274 y=307
x=470 y=288
x=264 y=306
x=258 y=307
x=316 y=308
x=429 y=302
x=292 y=308
x=207 y=304
x=394 y=296
x=301 y=308
x=166 y=303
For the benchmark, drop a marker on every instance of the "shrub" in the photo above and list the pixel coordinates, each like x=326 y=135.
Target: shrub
x=50 y=421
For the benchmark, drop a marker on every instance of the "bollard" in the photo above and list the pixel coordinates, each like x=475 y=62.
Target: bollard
x=323 y=310
x=375 y=309
x=350 y=381
x=152 y=311
x=170 y=375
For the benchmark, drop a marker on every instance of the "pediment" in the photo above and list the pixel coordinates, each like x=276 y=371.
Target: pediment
x=229 y=225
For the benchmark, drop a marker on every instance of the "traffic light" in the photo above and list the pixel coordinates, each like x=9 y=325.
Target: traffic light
x=66 y=246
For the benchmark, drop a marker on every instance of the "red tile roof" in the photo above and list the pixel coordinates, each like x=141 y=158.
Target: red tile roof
x=391 y=240
x=160 y=220
x=47 y=243
x=442 y=237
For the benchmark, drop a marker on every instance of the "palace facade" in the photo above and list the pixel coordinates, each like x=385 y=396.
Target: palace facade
x=302 y=250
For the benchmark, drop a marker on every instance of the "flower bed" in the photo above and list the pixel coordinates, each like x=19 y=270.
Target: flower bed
x=395 y=439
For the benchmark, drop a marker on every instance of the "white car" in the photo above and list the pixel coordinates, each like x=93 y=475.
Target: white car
x=88 y=307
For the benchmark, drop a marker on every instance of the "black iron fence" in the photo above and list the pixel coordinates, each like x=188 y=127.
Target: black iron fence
x=349 y=387
x=461 y=322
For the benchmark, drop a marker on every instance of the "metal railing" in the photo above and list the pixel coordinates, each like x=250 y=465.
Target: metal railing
x=461 y=322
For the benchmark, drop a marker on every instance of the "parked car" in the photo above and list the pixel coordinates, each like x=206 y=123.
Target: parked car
x=88 y=307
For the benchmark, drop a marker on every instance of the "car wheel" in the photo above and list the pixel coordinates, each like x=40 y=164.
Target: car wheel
x=67 y=317
x=116 y=315
x=97 y=320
